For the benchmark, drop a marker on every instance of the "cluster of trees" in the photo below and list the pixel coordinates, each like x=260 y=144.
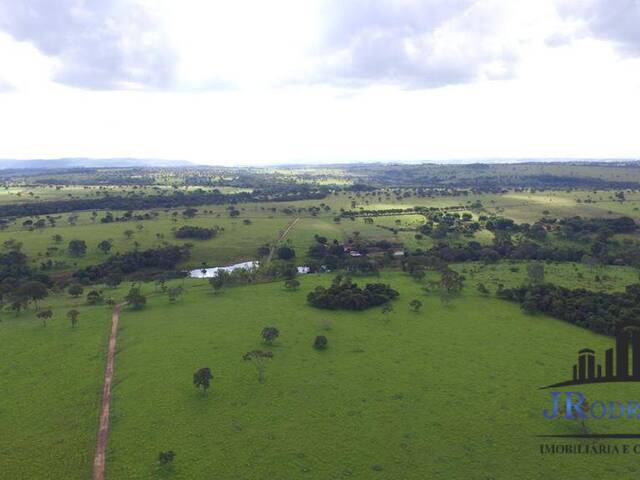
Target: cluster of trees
x=503 y=248
x=20 y=294
x=332 y=256
x=199 y=233
x=120 y=264
x=573 y=227
x=600 y=312
x=345 y=294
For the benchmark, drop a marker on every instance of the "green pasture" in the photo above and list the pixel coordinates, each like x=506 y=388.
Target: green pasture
x=435 y=394
x=51 y=384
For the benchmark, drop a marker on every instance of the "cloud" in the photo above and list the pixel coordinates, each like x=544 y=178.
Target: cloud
x=110 y=44
x=614 y=20
x=418 y=43
x=5 y=86
x=204 y=45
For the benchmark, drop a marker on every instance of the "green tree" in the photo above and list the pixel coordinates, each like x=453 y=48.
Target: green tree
x=259 y=360
x=174 y=293
x=75 y=290
x=94 y=297
x=73 y=315
x=269 y=334
x=320 y=342
x=482 y=289
x=45 y=315
x=105 y=246
x=202 y=378
x=292 y=284
x=33 y=291
x=285 y=253
x=135 y=298
x=217 y=282
x=77 y=248
x=415 y=305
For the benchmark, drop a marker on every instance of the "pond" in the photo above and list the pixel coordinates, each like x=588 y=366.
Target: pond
x=213 y=271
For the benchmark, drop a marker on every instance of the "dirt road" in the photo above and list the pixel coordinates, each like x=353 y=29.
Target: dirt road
x=103 y=432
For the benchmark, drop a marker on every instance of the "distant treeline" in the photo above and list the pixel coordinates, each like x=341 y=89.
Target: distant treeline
x=623 y=255
x=177 y=199
x=600 y=312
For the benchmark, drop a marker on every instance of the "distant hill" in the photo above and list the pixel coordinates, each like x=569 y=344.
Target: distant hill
x=90 y=163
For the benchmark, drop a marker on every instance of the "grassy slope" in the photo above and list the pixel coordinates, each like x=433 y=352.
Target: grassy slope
x=439 y=394
x=51 y=381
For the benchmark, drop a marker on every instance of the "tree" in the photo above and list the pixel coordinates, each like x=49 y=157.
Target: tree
x=535 y=272
x=285 y=253
x=75 y=290
x=18 y=304
x=387 y=309
x=216 y=282
x=269 y=334
x=32 y=290
x=259 y=359
x=292 y=284
x=77 y=248
x=165 y=458
x=415 y=305
x=45 y=315
x=202 y=378
x=418 y=274
x=320 y=342
x=135 y=298
x=482 y=289
x=94 y=297
x=57 y=239
x=128 y=234
x=113 y=280
x=450 y=285
x=73 y=315
x=174 y=293
x=104 y=246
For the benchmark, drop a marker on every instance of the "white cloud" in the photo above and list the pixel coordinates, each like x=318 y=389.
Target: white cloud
x=319 y=81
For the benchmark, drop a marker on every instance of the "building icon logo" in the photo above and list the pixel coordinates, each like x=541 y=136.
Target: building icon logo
x=621 y=365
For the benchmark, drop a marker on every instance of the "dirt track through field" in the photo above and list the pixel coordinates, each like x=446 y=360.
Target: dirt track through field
x=282 y=236
x=103 y=432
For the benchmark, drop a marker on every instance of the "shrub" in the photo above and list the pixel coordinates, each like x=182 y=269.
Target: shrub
x=320 y=343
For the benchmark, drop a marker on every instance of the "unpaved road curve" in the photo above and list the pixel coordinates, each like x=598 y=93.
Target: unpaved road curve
x=103 y=431
x=282 y=236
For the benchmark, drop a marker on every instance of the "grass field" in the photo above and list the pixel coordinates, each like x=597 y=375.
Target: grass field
x=51 y=384
x=436 y=394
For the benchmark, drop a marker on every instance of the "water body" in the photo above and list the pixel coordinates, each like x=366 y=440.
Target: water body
x=213 y=271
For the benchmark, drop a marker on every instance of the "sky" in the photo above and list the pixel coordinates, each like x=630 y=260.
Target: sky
x=244 y=82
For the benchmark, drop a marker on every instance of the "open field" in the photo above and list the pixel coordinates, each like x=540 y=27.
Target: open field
x=382 y=401
x=51 y=379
